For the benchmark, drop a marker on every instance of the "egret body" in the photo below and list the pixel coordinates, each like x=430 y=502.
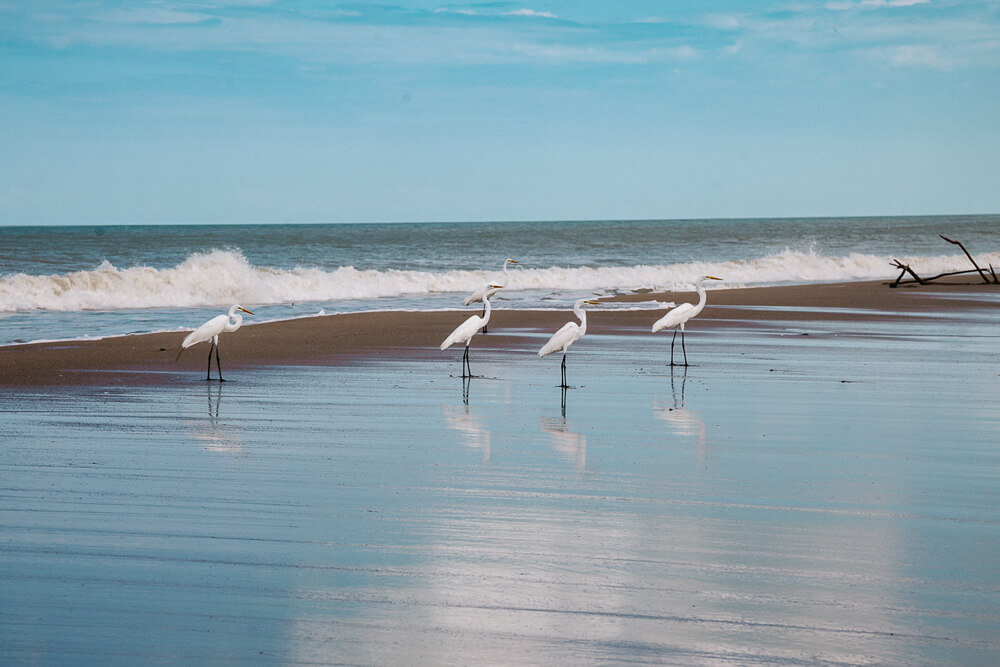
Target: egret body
x=464 y=332
x=489 y=290
x=567 y=335
x=209 y=331
x=677 y=317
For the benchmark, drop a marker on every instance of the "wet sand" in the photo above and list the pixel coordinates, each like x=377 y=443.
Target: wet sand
x=331 y=339
x=820 y=487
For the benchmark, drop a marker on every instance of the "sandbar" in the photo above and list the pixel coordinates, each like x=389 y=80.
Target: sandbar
x=332 y=339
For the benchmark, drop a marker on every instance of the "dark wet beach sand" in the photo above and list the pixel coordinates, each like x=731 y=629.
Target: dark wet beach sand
x=820 y=487
x=327 y=339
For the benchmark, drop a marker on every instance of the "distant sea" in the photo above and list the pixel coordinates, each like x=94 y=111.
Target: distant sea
x=71 y=282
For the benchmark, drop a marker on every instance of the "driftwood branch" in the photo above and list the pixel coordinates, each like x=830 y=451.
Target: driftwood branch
x=982 y=274
x=924 y=281
x=906 y=269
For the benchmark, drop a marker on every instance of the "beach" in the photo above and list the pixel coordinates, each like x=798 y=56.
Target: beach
x=153 y=358
x=806 y=472
x=818 y=487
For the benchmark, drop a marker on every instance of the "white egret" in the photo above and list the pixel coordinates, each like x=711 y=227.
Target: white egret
x=680 y=315
x=210 y=331
x=567 y=335
x=489 y=290
x=464 y=332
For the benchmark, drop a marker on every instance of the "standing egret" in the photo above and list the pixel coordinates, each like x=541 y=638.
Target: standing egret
x=210 y=331
x=681 y=314
x=464 y=332
x=489 y=290
x=567 y=335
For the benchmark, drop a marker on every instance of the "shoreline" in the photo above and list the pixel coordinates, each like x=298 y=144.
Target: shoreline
x=346 y=337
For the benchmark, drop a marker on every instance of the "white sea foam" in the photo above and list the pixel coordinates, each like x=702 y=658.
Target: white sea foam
x=224 y=277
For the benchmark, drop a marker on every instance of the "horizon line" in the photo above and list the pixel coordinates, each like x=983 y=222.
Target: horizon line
x=500 y=221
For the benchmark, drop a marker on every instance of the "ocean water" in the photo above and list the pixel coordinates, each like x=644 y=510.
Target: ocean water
x=85 y=281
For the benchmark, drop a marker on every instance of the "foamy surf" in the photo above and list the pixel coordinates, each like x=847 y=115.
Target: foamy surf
x=224 y=277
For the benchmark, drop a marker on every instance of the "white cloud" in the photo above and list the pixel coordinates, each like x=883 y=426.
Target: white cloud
x=530 y=12
x=724 y=21
x=897 y=38
x=679 y=53
x=155 y=16
x=464 y=12
x=846 y=5
x=918 y=56
x=562 y=53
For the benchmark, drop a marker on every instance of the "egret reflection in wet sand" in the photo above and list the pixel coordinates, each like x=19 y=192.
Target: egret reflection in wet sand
x=571 y=445
x=683 y=421
x=215 y=434
x=475 y=434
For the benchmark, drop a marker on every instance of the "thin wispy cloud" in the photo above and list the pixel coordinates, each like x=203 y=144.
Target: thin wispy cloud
x=560 y=53
x=385 y=34
x=847 y=5
x=724 y=21
x=463 y=12
x=918 y=56
x=530 y=13
x=153 y=16
x=893 y=3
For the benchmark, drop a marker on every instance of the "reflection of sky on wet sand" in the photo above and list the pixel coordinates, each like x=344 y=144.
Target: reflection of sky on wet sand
x=571 y=445
x=474 y=433
x=789 y=499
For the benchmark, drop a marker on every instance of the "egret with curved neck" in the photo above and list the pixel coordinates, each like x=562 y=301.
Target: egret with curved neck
x=677 y=317
x=489 y=290
x=210 y=331
x=464 y=332
x=567 y=335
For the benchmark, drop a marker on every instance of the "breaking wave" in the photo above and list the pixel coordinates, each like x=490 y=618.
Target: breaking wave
x=223 y=277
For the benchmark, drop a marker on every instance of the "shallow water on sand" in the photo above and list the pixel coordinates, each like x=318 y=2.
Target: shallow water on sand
x=801 y=495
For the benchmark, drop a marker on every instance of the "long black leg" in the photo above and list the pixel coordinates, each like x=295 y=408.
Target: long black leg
x=208 y=372
x=672 y=341
x=217 y=364
x=564 y=385
x=465 y=363
x=684 y=349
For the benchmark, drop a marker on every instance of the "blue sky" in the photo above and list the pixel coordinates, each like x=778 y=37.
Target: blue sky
x=177 y=111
